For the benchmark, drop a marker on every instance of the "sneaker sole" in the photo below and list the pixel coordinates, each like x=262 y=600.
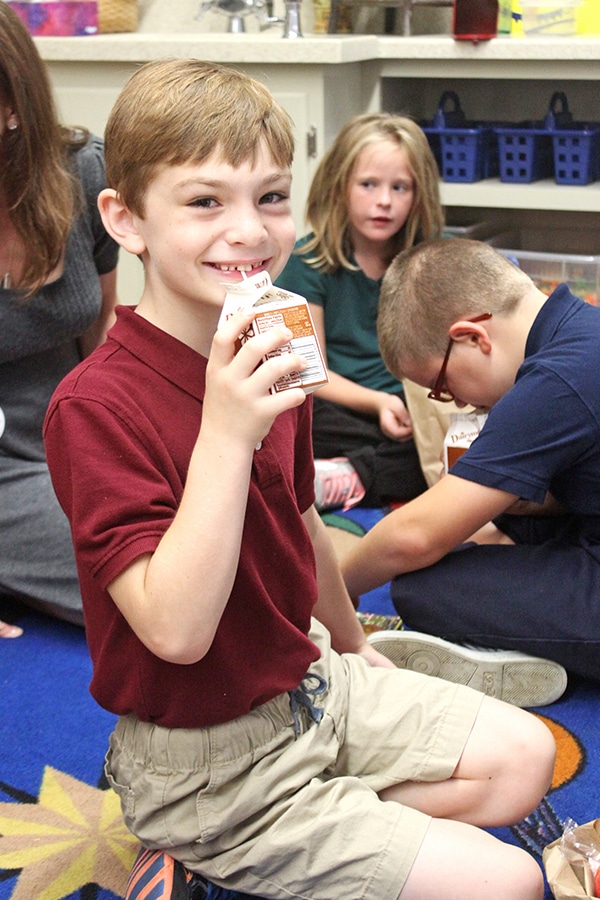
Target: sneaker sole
x=507 y=675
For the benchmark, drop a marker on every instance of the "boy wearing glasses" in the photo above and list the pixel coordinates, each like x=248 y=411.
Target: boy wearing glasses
x=504 y=552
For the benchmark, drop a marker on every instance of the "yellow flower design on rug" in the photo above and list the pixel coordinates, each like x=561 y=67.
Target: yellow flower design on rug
x=74 y=835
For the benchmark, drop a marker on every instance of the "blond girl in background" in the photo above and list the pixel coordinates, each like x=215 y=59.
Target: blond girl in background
x=375 y=192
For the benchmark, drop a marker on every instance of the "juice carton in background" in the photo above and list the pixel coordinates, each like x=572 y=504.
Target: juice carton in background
x=276 y=307
x=463 y=429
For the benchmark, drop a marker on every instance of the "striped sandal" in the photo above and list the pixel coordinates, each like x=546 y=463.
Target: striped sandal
x=157 y=876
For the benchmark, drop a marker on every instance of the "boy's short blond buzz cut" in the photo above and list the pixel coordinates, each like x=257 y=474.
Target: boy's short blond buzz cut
x=171 y=112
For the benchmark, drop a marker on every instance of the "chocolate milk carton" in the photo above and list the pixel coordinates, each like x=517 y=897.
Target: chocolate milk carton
x=275 y=307
x=462 y=431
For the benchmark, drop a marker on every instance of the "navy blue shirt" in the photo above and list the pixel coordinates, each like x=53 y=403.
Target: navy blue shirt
x=544 y=434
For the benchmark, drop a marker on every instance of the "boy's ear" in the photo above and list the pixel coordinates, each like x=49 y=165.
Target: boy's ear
x=119 y=222
x=475 y=333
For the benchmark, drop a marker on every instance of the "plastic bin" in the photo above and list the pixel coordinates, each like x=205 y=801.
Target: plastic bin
x=577 y=154
x=466 y=151
x=482 y=230
x=526 y=150
x=548 y=268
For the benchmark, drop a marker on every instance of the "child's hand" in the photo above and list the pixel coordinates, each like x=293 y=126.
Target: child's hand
x=374 y=657
x=394 y=419
x=238 y=402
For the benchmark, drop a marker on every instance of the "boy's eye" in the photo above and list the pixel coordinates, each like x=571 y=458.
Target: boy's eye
x=274 y=197
x=204 y=202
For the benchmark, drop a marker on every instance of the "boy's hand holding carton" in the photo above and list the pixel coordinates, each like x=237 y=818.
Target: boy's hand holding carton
x=278 y=308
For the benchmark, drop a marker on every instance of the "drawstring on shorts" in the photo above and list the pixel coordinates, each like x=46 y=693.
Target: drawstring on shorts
x=302 y=700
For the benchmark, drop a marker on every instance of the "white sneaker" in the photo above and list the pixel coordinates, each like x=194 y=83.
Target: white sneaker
x=337 y=484
x=506 y=674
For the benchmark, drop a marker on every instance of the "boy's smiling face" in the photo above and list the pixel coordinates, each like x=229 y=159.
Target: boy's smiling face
x=206 y=223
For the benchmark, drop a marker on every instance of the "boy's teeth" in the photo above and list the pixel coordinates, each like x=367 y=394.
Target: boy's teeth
x=235 y=268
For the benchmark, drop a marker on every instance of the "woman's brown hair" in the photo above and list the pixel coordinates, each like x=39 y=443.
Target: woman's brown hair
x=39 y=187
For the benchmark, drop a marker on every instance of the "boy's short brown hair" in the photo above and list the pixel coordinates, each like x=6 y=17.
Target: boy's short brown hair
x=172 y=112
x=429 y=287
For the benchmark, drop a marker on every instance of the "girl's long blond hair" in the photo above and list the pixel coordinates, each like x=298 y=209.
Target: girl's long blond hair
x=327 y=206
x=41 y=191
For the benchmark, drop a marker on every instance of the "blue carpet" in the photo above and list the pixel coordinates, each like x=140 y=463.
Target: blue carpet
x=61 y=833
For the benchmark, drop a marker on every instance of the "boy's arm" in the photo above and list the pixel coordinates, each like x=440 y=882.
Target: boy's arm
x=174 y=598
x=334 y=607
x=421 y=532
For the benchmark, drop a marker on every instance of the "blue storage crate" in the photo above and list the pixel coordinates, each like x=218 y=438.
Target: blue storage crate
x=577 y=154
x=465 y=151
x=469 y=154
x=525 y=153
x=526 y=150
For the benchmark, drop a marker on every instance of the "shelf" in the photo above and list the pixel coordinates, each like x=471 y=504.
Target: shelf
x=544 y=195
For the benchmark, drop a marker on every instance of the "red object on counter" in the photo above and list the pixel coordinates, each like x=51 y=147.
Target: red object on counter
x=475 y=20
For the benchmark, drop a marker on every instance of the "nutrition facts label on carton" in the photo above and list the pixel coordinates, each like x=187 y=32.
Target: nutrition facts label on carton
x=274 y=308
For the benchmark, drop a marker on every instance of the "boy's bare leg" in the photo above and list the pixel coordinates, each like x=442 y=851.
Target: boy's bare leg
x=503 y=773
x=457 y=861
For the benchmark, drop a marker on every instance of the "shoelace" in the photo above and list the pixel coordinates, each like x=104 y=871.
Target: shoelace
x=303 y=696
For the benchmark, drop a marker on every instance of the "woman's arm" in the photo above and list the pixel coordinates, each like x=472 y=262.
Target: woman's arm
x=95 y=335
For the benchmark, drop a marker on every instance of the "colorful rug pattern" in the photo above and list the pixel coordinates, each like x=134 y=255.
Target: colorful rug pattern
x=61 y=832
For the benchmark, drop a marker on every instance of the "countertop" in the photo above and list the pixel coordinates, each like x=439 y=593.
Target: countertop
x=270 y=47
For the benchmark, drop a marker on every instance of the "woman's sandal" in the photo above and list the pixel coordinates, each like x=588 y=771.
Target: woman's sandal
x=9 y=631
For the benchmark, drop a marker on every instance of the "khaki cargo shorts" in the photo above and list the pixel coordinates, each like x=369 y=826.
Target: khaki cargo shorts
x=256 y=807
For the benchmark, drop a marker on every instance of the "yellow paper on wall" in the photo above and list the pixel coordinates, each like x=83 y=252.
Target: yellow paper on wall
x=588 y=17
x=517 y=19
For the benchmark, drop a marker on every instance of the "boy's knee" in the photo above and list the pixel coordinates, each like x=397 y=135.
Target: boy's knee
x=526 y=881
x=532 y=754
x=537 y=750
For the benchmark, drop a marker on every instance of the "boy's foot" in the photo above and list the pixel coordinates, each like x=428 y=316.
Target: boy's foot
x=337 y=484
x=157 y=876
x=506 y=674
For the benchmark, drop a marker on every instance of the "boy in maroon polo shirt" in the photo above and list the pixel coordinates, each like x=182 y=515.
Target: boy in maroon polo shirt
x=246 y=745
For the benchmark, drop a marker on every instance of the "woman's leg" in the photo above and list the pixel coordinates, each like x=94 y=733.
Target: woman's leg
x=37 y=563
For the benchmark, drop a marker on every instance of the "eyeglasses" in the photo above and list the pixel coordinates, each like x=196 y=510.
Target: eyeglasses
x=439 y=392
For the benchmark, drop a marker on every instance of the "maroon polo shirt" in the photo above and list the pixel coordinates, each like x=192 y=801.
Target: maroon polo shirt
x=119 y=435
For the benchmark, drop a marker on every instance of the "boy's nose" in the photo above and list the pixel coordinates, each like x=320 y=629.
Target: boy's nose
x=246 y=227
